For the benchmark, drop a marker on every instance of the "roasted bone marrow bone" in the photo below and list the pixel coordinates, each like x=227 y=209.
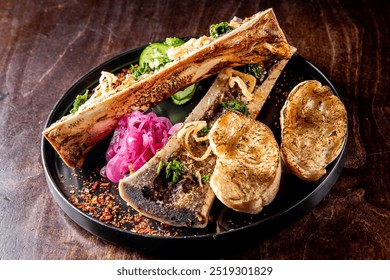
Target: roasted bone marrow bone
x=314 y=129
x=253 y=40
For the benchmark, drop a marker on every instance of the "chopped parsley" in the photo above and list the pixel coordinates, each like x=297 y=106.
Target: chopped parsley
x=205 y=178
x=251 y=69
x=234 y=105
x=218 y=29
x=139 y=70
x=204 y=131
x=80 y=100
x=173 y=170
x=160 y=166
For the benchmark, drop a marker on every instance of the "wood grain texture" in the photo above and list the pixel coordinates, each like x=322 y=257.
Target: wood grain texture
x=47 y=45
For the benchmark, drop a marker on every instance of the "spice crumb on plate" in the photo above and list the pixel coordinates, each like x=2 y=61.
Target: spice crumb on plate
x=99 y=198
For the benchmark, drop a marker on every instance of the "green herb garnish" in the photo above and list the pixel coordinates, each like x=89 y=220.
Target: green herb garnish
x=204 y=131
x=251 y=69
x=173 y=170
x=234 y=105
x=160 y=166
x=205 y=178
x=80 y=100
x=139 y=70
x=219 y=29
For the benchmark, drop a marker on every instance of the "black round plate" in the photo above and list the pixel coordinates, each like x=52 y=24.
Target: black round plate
x=294 y=199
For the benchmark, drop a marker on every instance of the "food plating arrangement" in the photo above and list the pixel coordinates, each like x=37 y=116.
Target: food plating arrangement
x=196 y=137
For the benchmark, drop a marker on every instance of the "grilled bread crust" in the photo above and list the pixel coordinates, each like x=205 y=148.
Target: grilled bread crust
x=248 y=169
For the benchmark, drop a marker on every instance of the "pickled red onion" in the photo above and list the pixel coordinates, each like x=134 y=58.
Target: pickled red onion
x=136 y=139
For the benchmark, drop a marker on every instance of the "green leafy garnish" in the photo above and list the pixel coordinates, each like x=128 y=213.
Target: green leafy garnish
x=251 y=69
x=173 y=170
x=160 y=166
x=204 y=131
x=219 y=29
x=205 y=178
x=80 y=100
x=234 y=105
x=139 y=70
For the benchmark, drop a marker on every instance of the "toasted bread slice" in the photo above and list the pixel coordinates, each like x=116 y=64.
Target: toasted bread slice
x=248 y=170
x=314 y=127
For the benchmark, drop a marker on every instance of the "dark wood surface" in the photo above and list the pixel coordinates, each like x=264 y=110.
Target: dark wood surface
x=45 y=46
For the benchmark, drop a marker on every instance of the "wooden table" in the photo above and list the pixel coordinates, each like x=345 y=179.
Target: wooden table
x=45 y=46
